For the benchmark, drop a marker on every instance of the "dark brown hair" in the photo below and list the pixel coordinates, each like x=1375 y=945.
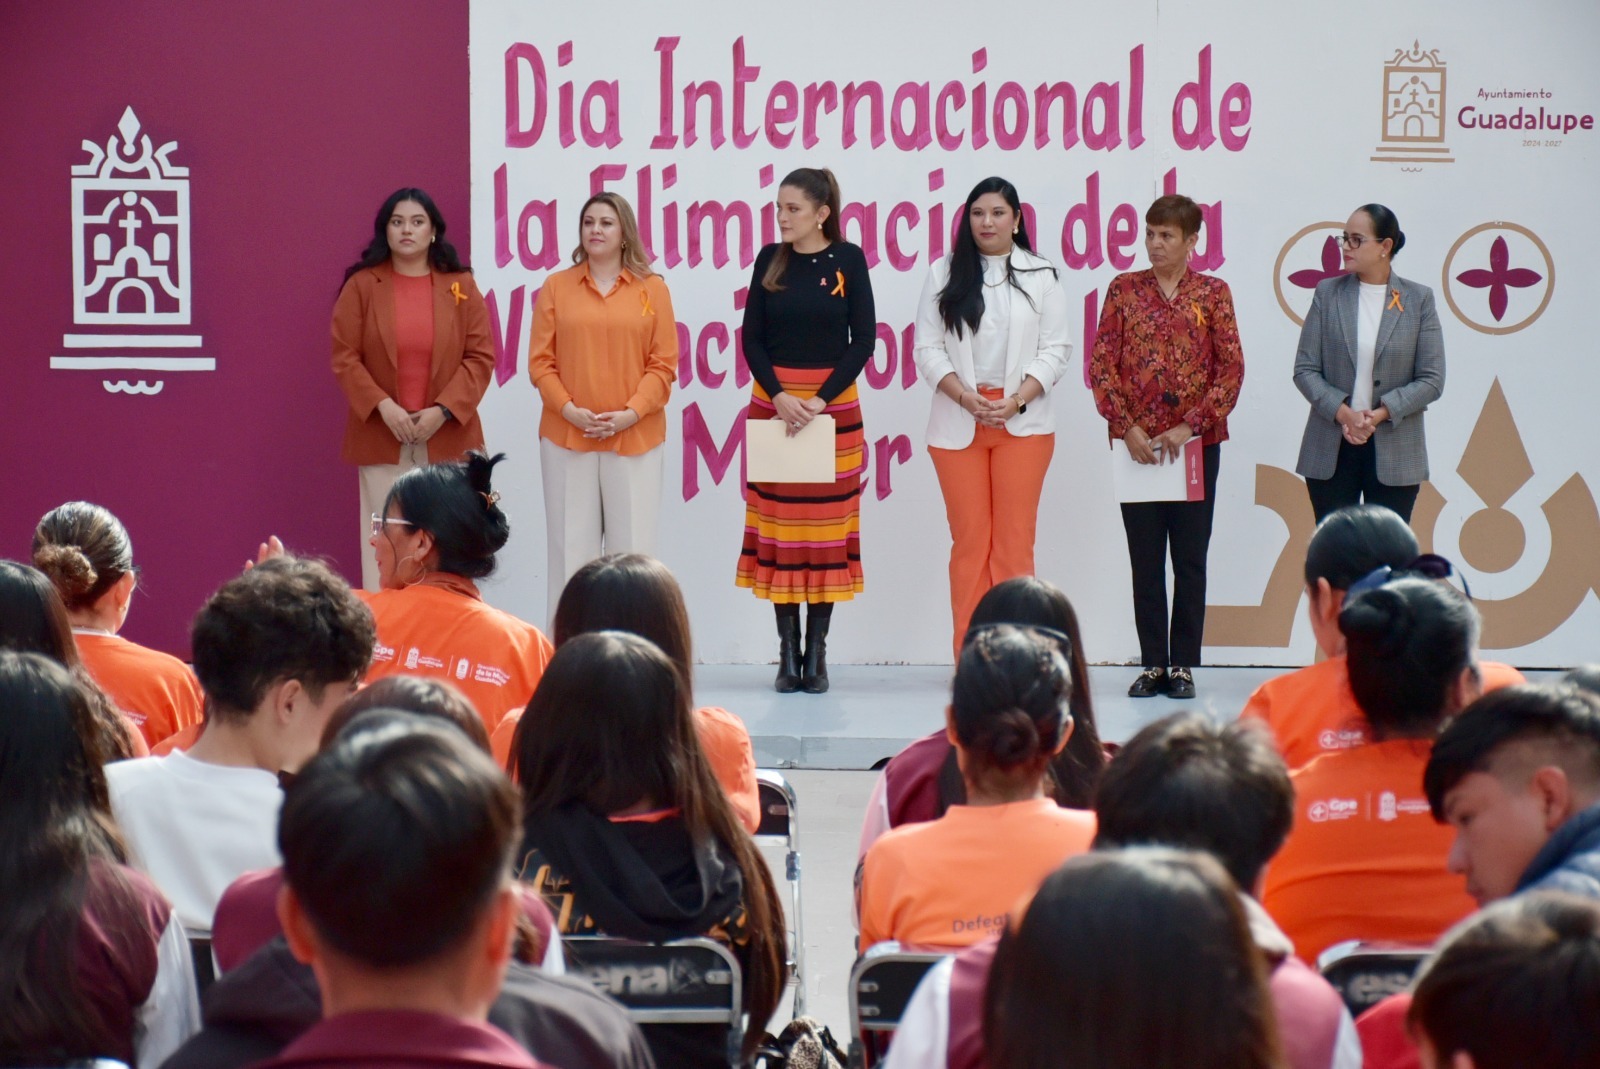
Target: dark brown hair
x=1516 y=986
x=611 y=726
x=84 y=550
x=1010 y=704
x=1139 y=957
x=627 y=592
x=411 y=694
x=1407 y=643
x=821 y=188
x=1175 y=209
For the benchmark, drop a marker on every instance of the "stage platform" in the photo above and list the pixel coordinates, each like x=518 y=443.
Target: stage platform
x=872 y=711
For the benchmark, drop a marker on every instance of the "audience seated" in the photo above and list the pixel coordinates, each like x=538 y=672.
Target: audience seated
x=397 y=845
x=86 y=553
x=1131 y=958
x=1365 y=860
x=1516 y=987
x=276 y=649
x=1312 y=711
x=266 y=1001
x=33 y=620
x=1184 y=782
x=627 y=832
x=951 y=882
x=440 y=530
x=93 y=964
x=632 y=592
x=922 y=781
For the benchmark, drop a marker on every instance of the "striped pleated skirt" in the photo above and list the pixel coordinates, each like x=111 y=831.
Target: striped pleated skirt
x=802 y=541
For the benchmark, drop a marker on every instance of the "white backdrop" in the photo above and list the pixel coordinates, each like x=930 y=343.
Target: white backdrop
x=1276 y=126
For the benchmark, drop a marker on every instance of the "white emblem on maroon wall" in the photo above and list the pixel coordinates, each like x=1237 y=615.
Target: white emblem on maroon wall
x=131 y=269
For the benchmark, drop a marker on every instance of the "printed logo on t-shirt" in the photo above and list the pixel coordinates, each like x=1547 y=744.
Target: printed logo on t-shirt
x=411 y=657
x=488 y=673
x=463 y=666
x=980 y=923
x=1386 y=806
x=1345 y=739
x=425 y=661
x=380 y=652
x=1333 y=809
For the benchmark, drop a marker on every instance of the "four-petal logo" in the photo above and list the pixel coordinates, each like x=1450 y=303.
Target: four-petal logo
x=1499 y=276
x=1469 y=290
x=1304 y=261
x=1332 y=267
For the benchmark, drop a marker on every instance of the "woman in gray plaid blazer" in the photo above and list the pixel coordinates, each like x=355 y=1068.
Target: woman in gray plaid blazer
x=1371 y=360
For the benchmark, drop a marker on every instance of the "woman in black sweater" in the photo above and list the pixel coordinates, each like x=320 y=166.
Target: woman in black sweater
x=809 y=329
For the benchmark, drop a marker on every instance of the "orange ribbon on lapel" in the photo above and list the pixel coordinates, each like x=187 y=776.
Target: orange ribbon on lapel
x=644 y=299
x=455 y=291
x=1199 y=316
x=838 y=291
x=1394 y=300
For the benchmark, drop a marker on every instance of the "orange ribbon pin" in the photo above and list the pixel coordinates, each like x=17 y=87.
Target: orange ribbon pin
x=1199 y=316
x=838 y=291
x=644 y=299
x=455 y=291
x=1394 y=300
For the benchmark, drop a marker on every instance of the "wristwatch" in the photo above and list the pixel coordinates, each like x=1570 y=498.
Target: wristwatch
x=1022 y=406
x=448 y=415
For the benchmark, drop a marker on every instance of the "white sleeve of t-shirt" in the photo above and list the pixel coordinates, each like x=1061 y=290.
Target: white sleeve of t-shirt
x=922 y=1040
x=171 y=1012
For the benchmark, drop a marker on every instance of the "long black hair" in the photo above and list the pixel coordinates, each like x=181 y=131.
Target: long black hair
x=454 y=502
x=441 y=254
x=961 y=300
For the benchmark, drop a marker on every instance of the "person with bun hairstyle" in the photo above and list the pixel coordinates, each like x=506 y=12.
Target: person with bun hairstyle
x=627 y=833
x=992 y=340
x=923 y=780
x=1365 y=860
x=85 y=551
x=951 y=882
x=411 y=351
x=1312 y=711
x=1370 y=361
x=809 y=328
x=603 y=355
x=1140 y=957
x=632 y=592
x=93 y=961
x=33 y=620
x=439 y=532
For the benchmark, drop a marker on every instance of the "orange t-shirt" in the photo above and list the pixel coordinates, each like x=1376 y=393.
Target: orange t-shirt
x=1365 y=859
x=723 y=737
x=950 y=882
x=155 y=690
x=604 y=353
x=181 y=740
x=1312 y=710
x=413 y=339
x=443 y=629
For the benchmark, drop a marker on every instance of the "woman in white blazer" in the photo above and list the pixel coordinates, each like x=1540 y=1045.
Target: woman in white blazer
x=991 y=339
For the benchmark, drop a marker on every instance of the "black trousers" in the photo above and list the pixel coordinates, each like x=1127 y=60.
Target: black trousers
x=1185 y=527
x=1355 y=481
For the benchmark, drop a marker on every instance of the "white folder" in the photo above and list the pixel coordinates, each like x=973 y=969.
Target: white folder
x=772 y=456
x=1180 y=480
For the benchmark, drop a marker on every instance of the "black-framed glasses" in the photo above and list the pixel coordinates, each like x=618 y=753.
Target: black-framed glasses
x=380 y=522
x=1353 y=241
x=1426 y=566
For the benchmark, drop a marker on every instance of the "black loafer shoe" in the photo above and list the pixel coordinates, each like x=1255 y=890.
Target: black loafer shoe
x=1151 y=681
x=1180 y=683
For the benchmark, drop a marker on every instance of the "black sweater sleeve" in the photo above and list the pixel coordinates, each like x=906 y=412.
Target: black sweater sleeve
x=756 y=357
x=863 y=324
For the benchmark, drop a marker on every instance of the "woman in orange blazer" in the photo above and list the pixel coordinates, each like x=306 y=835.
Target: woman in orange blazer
x=411 y=350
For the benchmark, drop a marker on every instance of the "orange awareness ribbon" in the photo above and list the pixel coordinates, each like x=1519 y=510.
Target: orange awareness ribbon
x=644 y=299
x=838 y=291
x=1394 y=300
x=455 y=291
x=1199 y=316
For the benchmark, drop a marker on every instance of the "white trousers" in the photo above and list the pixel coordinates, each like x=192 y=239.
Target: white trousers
x=595 y=504
x=376 y=481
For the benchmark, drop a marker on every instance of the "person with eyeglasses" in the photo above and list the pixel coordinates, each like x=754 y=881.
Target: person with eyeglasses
x=1365 y=860
x=1312 y=711
x=950 y=882
x=1370 y=361
x=438 y=534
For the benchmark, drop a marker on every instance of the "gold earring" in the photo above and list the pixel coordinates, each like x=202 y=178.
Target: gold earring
x=624 y=244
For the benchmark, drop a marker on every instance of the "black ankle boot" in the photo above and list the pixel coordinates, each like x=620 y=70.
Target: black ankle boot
x=816 y=661
x=788 y=680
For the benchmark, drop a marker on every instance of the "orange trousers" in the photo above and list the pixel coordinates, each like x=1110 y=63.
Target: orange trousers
x=991 y=497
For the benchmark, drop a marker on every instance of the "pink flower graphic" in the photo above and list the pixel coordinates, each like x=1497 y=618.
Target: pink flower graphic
x=1498 y=277
x=1332 y=267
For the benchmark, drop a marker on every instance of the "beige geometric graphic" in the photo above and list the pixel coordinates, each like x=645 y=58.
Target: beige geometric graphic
x=1413 y=115
x=1448 y=280
x=1496 y=466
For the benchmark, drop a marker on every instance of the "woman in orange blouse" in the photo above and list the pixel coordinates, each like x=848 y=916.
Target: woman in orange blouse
x=86 y=553
x=603 y=353
x=1166 y=368
x=411 y=350
x=440 y=531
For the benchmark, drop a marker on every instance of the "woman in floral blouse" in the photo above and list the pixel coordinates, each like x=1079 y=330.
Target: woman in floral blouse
x=1167 y=367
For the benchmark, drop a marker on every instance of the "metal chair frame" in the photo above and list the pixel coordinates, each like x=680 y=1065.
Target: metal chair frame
x=780 y=820
x=871 y=1023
